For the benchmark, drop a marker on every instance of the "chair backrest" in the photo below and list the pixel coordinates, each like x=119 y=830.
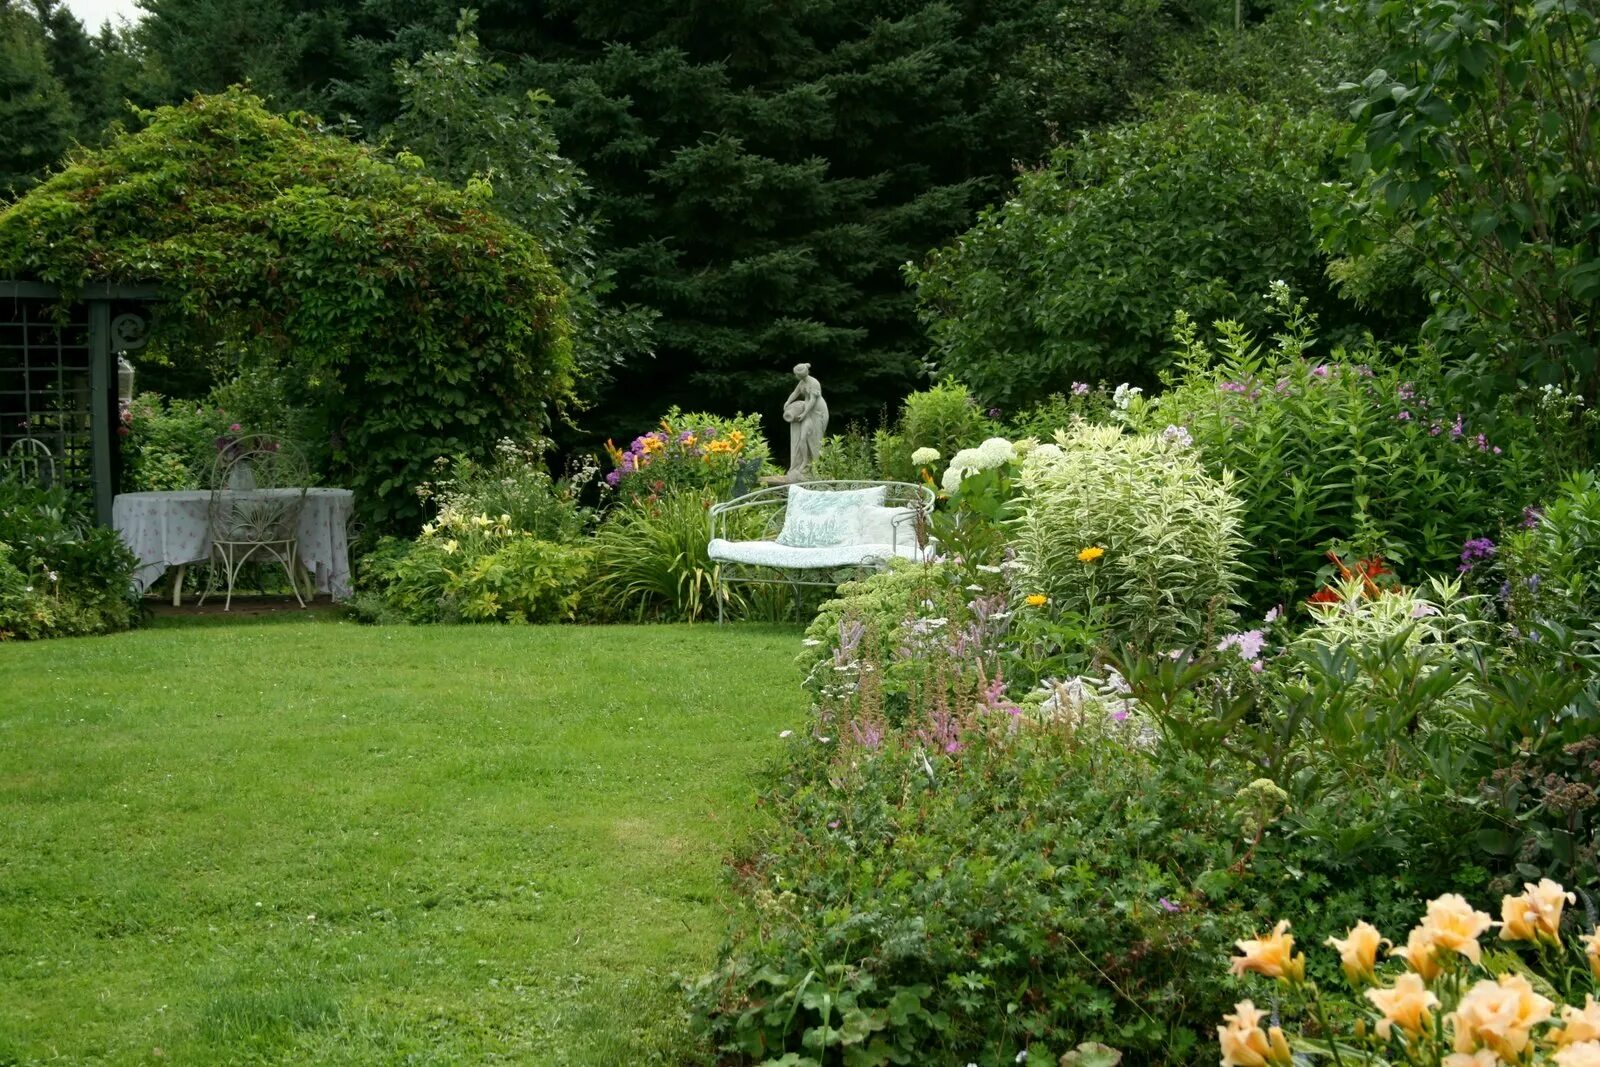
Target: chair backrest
x=258 y=489
x=31 y=460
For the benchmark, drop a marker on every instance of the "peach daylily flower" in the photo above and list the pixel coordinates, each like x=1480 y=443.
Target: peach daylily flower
x=1481 y=1058
x=1581 y=1024
x=1583 y=1054
x=1244 y=1042
x=1358 y=951
x=1407 y=1004
x=1499 y=1016
x=1454 y=925
x=1591 y=948
x=1421 y=954
x=1536 y=914
x=1272 y=956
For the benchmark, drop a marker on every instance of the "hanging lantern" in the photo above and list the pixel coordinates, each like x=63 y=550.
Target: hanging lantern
x=124 y=380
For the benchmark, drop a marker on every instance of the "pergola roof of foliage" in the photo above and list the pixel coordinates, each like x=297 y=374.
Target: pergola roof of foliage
x=418 y=321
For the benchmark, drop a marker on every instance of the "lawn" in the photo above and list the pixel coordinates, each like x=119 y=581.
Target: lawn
x=302 y=840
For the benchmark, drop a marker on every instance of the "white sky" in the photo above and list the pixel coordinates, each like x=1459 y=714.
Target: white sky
x=93 y=12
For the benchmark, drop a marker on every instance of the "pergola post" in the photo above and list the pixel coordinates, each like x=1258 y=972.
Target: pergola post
x=101 y=399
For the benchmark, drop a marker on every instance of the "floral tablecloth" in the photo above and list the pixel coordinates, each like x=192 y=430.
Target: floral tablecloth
x=168 y=529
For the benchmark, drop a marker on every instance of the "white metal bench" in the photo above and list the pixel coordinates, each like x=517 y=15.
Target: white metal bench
x=805 y=535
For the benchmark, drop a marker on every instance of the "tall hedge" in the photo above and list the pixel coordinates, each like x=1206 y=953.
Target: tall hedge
x=411 y=317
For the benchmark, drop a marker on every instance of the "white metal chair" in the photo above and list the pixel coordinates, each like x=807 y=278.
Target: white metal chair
x=258 y=490
x=876 y=522
x=32 y=461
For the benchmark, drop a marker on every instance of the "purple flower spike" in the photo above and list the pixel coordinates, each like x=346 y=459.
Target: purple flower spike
x=1475 y=551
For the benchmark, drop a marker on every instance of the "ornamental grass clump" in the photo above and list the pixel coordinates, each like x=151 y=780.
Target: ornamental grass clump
x=1129 y=530
x=1451 y=1001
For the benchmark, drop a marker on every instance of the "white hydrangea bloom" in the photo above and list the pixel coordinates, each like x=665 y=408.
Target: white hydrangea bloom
x=924 y=456
x=1046 y=453
x=994 y=452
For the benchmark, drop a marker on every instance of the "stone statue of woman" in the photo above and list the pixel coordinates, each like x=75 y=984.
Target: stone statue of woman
x=807 y=415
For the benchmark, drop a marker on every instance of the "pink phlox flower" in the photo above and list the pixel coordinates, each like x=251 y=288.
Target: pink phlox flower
x=1249 y=643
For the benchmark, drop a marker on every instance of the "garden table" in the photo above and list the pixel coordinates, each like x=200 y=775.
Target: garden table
x=169 y=529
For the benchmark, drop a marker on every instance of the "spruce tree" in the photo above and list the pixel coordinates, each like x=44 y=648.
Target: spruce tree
x=37 y=120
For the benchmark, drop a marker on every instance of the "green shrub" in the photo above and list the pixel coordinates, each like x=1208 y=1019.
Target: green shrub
x=474 y=568
x=975 y=853
x=1470 y=119
x=1060 y=411
x=851 y=456
x=1551 y=564
x=1368 y=449
x=516 y=487
x=1131 y=532
x=1030 y=895
x=945 y=418
x=1076 y=275
x=958 y=876
x=59 y=576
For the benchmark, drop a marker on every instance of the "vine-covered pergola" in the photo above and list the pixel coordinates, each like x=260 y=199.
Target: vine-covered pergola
x=405 y=315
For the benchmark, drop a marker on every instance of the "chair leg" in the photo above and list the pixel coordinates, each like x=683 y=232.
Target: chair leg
x=289 y=563
x=177 y=586
x=233 y=570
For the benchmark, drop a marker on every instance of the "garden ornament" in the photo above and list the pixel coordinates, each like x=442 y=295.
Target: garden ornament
x=807 y=415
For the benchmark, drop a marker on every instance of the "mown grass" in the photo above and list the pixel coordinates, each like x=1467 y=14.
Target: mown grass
x=306 y=841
